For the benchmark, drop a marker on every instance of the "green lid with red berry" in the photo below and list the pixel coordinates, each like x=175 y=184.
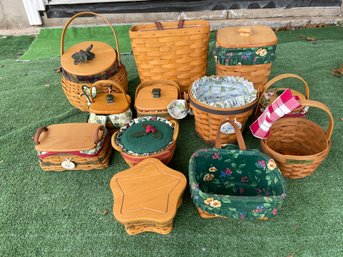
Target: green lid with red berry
x=145 y=135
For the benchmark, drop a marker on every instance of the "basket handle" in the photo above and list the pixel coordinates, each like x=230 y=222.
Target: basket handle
x=38 y=132
x=160 y=27
x=176 y=129
x=240 y=139
x=97 y=15
x=153 y=82
x=96 y=135
x=324 y=108
x=113 y=142
x=281 y=77
x=110 y=82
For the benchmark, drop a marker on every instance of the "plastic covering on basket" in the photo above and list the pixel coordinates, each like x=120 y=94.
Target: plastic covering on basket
x=235 y=183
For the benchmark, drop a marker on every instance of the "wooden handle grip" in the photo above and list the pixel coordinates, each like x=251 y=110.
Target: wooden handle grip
x=38 y=132
x=240 y=139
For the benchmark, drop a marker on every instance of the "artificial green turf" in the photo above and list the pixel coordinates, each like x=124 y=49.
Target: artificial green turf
x=7 y=43
x=48 y=42
x=62 y=214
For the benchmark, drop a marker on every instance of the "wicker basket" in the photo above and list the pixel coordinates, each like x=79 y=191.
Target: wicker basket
x=235 y=183
x=105 y=66
x=149 y=104
x=299 y=145
x=172 y=50
x=208 y=118
x=164 y=155
x=269 y=95
x=52 y=156
x=246 y=52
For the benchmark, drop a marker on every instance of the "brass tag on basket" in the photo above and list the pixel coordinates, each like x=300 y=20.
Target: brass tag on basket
x=299 y=161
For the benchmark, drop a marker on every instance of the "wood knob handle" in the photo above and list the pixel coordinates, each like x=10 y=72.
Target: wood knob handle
x=245 y=31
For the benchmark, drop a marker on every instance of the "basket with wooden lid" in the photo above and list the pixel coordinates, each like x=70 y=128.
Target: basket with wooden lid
x=146 y=137
x=246 y=52
x=154 y=96
x=87 y=62
x=110 y=108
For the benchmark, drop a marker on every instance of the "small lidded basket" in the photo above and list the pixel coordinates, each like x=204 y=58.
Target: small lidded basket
x=214 y=99
x=246 y=52
x=87 y=62
x=146 y=137
x=154 y=96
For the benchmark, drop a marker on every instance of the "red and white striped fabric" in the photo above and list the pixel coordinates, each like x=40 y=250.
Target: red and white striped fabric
x=283 y=105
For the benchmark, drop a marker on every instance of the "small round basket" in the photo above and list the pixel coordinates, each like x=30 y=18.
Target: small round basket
x=104 y=65
x=213 y=99
x=299 y=145
x=146 y=137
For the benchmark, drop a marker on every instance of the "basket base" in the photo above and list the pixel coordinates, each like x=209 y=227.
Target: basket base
x=206 y=215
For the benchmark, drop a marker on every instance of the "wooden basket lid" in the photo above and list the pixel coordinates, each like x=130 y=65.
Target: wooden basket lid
x=105 y=57
x=68 y=137
x=120 y=104
x=145 y=100
x=246 y=36
x=149 y=191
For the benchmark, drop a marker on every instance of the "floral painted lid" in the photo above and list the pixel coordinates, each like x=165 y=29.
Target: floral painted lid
x=224 y=92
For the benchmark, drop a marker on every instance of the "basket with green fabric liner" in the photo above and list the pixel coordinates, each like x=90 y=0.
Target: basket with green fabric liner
x=235 y=183
x=146 y=137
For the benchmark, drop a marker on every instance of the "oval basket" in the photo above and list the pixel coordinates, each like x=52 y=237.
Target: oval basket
x=208 y=118
x=73 y=88
x=299 y=145
x=264 y=100
x=235 y=183
x=165 y=155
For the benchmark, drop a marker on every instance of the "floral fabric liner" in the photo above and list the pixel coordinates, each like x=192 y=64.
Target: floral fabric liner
x=139 y=120
x=117 y=120
x=93 y=151
x=236 y=184
x=224 y=92
x=110 y=72
x=244 y=56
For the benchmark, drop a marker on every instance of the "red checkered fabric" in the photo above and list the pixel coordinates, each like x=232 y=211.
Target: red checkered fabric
x=283 y=105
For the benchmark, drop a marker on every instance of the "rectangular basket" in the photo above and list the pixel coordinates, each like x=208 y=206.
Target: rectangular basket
x=73 y=146
x=171 y=50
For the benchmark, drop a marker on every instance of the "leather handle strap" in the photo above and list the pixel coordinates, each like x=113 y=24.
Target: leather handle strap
x=160 y=27
x=109 y=82
x=98 y=137
x=38 y=132
x=94 y=14
x=176 y=129
x=240 y=139
x=324 y=108
x=154 y=82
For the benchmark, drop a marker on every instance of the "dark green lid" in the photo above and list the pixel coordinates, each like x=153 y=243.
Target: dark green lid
x=147 y=136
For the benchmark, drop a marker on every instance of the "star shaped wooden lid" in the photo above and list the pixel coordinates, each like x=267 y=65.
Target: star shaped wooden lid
x=149 y=191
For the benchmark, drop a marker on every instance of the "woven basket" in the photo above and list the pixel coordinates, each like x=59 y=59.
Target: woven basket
x=235 y=183
x=299 y=145
x=171 y=51
x=267 y=93
x=257 y=74
x=208 y=118
x=53 y=161
x=73 y=88
x=169 y=91
x=247 y=52
x=164 y=156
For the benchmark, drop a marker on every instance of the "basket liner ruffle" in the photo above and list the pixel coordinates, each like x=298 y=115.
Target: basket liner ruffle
x=236 y=184
x=224 y=92
x=244 y=56
x=139 y=120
